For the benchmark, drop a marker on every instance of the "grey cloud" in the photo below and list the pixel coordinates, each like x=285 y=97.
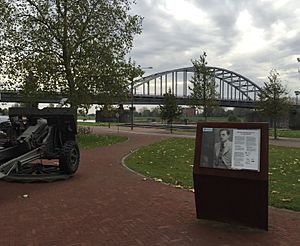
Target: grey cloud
x=167 y=43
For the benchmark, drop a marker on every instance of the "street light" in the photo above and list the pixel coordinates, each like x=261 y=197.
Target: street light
x=297 y=93
x=131 y=108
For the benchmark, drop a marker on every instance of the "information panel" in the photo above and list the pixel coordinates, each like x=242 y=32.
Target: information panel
x=230 y=148
x=230 y=172
x=246 y=149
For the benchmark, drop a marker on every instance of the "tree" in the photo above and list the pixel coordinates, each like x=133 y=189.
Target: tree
x=108 y=112
x=241 y=112
x=273 y=99
x=169 y=110
x=155 y=112
x=219 y=111
x=73 y=47
x=203 y=92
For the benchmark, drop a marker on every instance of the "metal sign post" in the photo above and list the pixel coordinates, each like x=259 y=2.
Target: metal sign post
x=118 y=117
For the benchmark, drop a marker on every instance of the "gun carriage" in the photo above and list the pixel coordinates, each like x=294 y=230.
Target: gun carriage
x=31 y=135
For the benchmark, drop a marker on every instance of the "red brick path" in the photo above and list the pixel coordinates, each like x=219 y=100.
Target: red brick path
x=105 y=204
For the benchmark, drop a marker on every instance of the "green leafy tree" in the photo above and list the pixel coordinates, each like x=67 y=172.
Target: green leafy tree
x=219 y=111
x=169 y=111
x=203 y=93
x=241 y=112
x=273 y=99
x=75 y=48
x=146 y=113
x=108 y=112
x=155 y=112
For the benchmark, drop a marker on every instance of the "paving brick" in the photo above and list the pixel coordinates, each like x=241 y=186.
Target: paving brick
x=106 y=204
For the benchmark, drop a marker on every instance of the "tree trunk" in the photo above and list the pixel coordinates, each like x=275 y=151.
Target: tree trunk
x=171 y=127
x=205 y=113
x=275 y=128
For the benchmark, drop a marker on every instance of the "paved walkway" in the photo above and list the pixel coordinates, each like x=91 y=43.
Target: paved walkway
x=105 y=204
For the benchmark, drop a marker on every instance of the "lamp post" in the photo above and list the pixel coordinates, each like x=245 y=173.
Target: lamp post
x=131 y=108
x=297 y=93
x=132 y=98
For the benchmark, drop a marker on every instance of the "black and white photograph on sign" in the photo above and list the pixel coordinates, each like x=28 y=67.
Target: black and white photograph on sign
x=216 y=149
x=228 y=148
x=223 y=148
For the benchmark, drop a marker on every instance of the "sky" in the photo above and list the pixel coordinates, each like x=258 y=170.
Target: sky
x=249 y=37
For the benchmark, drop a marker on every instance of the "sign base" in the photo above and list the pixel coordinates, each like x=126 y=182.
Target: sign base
x=232 y=200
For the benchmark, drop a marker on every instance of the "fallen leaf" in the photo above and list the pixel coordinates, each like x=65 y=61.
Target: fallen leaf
x=286 y=199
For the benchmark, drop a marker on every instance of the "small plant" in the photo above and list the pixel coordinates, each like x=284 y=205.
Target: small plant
x=233 y=118
x=84 y=130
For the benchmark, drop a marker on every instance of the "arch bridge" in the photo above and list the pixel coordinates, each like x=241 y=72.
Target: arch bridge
x=233 y=89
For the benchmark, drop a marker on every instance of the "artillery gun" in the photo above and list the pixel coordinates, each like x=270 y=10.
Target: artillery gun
x=31 y=135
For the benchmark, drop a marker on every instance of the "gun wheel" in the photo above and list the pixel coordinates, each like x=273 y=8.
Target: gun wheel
x=69 y=157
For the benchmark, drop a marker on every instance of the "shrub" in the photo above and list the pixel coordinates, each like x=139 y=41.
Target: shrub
x=84 y=130
x=233 y=118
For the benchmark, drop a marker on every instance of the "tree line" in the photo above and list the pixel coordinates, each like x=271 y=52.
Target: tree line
x=79 y=49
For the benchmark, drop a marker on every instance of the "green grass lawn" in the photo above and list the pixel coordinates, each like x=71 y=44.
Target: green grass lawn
x=285 y=133
x=172 y=161
x=90 y=141
x=280 y=132
x=82 y=123
x=284 y=177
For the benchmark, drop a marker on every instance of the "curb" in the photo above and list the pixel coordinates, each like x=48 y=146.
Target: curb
x=146 y=178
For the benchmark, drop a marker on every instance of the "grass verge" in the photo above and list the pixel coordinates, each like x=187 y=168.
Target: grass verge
x=91 y=141
x=85 y=123
x=285 y=133
x=172 y=161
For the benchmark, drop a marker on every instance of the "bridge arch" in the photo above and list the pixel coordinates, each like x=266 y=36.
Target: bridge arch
x=230 y=85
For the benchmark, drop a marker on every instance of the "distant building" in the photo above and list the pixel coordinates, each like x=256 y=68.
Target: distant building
x=112 y=116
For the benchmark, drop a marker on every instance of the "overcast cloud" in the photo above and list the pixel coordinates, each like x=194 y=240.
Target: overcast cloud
x=249 y=37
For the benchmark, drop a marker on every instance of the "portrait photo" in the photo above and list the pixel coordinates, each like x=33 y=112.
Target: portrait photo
x=216 y=148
